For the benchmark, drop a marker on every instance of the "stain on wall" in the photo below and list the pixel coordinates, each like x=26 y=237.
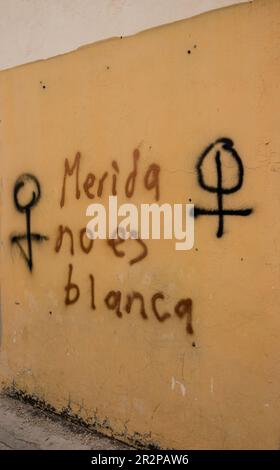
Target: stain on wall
x=177 y=349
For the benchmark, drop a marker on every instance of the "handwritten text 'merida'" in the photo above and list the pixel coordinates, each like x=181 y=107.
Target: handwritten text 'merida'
x=151 y=221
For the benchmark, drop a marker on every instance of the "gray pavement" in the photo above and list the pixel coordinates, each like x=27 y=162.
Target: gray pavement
x=23 y=426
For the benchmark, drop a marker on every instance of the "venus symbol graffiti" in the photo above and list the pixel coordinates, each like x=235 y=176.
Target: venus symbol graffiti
x=218 y=151
x=27 y=193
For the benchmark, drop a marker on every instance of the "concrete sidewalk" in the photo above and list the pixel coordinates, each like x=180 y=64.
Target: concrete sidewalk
x=24 y=427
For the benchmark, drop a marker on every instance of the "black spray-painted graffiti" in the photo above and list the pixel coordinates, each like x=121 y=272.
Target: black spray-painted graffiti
x=224 y=145
x=28 y=184
x=22 y=182
x=27 y=193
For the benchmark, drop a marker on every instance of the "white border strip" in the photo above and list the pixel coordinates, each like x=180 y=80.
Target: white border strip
x=38 y=29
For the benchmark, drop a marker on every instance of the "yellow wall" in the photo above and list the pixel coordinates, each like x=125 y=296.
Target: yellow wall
x=143 y=379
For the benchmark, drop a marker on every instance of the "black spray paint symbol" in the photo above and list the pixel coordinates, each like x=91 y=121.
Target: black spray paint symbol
x=24 y=181
x=224 y=145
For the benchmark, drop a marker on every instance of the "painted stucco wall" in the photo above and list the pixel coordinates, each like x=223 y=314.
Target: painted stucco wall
x=38 y=29
x=208 y=379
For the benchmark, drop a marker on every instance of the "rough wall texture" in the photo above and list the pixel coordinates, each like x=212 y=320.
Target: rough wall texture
x=211 y=378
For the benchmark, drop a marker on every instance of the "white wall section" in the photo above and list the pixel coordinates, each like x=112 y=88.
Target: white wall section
x=38 y=29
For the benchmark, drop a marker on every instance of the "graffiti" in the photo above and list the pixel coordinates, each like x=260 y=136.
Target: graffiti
x=71 y=287
x=29 y=183
x=163 y=316
x=92 y=291
x=86 y=244
x=111 y=181
x=217 y=149
x=62 y=230
x=27 y=188
x=121 y=303
x=115 y=242
x=184 y=308
x=136 y=296
x=113 y=302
